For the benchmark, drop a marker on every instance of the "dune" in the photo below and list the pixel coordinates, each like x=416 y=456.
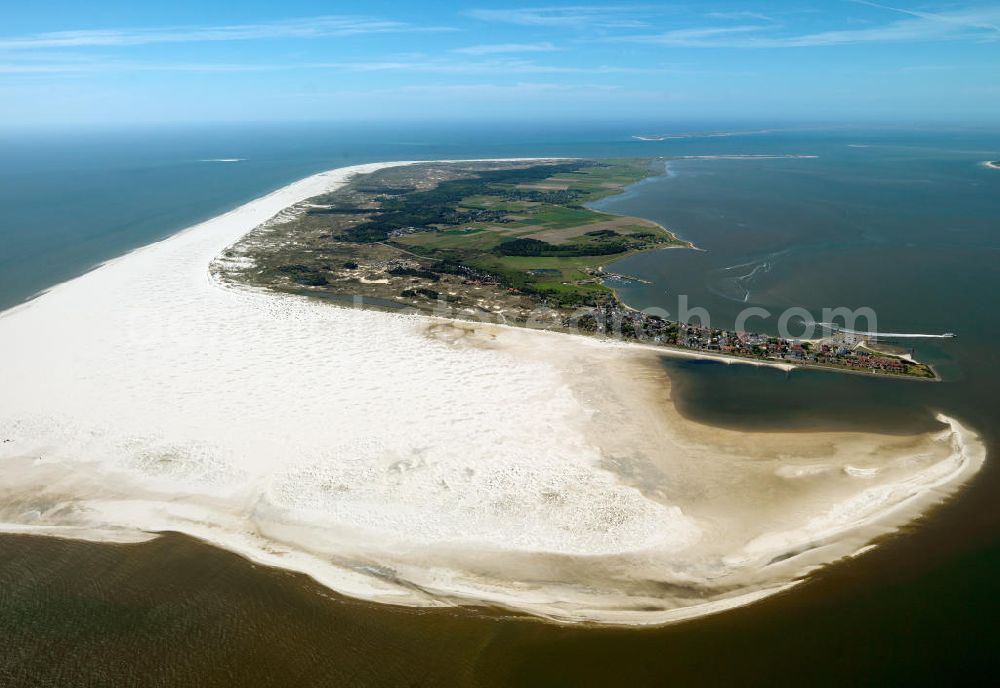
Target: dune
x=407 y=460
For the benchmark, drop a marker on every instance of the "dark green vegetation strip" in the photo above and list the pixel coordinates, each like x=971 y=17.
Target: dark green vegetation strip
x=424 y=209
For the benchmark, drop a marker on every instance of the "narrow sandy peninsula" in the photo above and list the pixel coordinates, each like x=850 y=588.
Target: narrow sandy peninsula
x=416 y=461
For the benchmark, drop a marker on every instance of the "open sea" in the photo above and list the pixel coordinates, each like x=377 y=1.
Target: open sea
x=905 y=222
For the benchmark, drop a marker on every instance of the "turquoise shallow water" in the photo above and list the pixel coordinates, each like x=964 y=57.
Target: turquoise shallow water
x=907 y=223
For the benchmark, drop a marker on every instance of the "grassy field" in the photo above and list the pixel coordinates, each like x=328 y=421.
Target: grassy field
x=559 y=216
x=567 y=240
x=569 y=269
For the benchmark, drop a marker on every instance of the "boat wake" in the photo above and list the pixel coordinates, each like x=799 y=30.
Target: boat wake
x=736 y=282
x=884 y=335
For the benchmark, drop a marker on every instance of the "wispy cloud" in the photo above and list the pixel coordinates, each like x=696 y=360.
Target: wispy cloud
x=505 y=93
x=966 y=24
x=740 y=15
x=410 y=64
x=96 y=67
x=314 y=27
x=694 y=37
x=492 y=66
x=968 y=18
x=573 y=16
x=499 y=48
x=975 y=24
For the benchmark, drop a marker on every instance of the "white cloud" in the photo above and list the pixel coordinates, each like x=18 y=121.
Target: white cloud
x=575 y=16
x=695 y=37
x=740 y=15
x=314 y=27
x=977 y=24
x=495 y=66
x=498 y=48
x=94 y=67
x=414 y=64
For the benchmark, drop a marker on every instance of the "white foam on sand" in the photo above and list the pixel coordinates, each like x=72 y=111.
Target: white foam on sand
x=510 y=467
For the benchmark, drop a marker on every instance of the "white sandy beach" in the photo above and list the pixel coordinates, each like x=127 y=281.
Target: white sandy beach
x=406 y=460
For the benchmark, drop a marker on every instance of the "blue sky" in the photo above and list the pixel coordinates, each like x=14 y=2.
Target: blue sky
x=65 y=63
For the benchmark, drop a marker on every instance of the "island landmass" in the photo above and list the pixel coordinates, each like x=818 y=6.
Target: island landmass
x=506 y=242
x=420 y=461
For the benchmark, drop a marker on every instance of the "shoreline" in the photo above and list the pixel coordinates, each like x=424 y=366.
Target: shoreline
x=224 y=271
x=729 y=358
x=145 y=396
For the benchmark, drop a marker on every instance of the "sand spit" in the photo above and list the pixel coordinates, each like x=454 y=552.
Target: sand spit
x=406 y=460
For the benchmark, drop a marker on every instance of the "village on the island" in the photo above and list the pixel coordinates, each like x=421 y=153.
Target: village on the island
x=839 y=348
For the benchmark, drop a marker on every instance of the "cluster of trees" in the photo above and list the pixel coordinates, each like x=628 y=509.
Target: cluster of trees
x=559 y=298
x=385 y=190
x=435 y=206
x=454 y=266
x=420 y=291
x=556 y=197
x=414 y=272
x=536 y=247
x=383 y=226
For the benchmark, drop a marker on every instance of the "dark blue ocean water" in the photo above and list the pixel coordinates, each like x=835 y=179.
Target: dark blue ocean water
x=905 y=222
